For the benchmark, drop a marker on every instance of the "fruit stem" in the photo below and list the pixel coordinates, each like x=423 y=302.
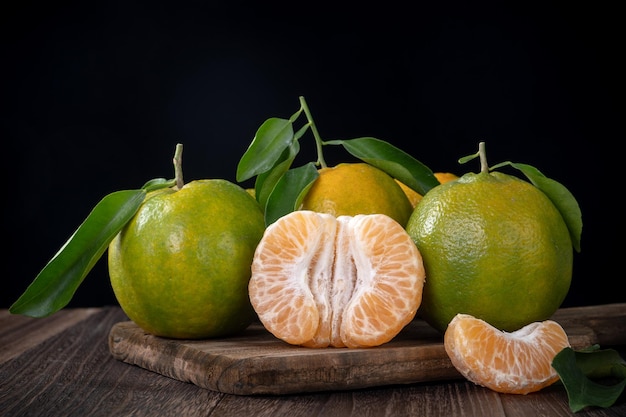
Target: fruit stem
x=178 y=165
x=318 y=140
x=483 y=157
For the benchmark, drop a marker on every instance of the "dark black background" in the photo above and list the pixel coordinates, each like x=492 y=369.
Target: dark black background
x=95 y=96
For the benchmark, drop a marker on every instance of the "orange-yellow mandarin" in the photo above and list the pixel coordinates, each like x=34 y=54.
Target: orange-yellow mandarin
x=357 y=188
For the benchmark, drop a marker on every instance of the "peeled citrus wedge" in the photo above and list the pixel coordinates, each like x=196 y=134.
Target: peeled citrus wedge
x=518 y=362
x=348 y=281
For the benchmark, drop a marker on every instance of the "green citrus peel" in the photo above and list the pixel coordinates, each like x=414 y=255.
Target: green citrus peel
x=560 y=196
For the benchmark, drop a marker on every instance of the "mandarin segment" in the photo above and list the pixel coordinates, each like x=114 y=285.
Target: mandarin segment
x=518 y=362
x=388 y=261
x=291 y=253
x=348 y=281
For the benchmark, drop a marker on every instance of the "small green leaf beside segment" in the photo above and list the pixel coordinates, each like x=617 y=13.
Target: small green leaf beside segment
x=575 y=369
x=57 y=282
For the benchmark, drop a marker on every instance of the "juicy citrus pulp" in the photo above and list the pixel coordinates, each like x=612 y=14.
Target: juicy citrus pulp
x=180 y=267
x=494 y=246
x=519 y=362
x=357 y=188
x=320 y=281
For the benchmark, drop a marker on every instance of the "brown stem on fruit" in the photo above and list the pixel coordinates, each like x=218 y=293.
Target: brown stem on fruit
x=483 y=157
x=178 y=165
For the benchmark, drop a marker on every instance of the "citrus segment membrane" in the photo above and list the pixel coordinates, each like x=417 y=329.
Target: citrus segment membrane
x=348 y=281
x=518 y=362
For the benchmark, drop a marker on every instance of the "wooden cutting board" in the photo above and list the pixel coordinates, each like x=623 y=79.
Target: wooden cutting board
x=255 y=362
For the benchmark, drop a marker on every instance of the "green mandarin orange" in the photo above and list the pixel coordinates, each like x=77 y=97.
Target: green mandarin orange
x=494 y=247
x=180 y=267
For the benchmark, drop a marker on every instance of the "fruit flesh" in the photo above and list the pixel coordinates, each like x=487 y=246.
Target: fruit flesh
x=519 y=362
x=322 y=281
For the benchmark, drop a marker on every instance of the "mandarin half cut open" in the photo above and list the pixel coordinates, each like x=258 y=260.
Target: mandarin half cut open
x=348 y=281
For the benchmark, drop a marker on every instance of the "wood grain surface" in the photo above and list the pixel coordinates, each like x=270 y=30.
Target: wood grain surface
x=255 y=362
x=61 y=366
x=39 y=329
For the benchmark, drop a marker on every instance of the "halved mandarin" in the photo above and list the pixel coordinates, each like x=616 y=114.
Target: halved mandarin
x=348 y=281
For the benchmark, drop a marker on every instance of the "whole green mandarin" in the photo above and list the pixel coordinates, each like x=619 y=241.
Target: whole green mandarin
x=180 y=268
x=495 y=247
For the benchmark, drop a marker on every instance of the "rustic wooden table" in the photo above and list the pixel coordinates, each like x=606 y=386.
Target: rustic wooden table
x=62 y=366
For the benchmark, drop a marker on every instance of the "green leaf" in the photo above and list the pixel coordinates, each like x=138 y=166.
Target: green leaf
x=560 y=196
x=574 y=369
x=266 y=181
x=392 y=160
x=57 y=282
x=158 y=183
x=596 y=363
x=289 y=191
x=466 y=159
x=269 y=142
